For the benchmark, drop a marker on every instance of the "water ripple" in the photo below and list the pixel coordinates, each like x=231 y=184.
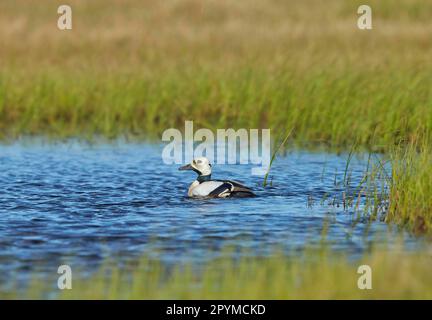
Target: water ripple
x=71 y=201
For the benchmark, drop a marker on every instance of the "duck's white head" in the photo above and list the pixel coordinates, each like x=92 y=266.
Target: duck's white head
x=200 y=165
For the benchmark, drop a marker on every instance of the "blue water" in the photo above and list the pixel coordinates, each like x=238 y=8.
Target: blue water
x=79 y=204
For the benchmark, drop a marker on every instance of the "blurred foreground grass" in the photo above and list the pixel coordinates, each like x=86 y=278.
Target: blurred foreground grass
x=313 y=275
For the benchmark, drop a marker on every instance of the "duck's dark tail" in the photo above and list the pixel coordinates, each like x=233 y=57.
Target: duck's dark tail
x=243 y=194
x=240 y=191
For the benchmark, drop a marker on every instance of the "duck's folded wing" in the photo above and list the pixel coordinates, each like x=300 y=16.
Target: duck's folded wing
x=231 y=188
x=223 y=190
x=238 y=187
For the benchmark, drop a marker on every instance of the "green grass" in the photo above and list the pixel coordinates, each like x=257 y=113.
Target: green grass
x=312 y=275
x=411 y=188
x=327 y=107
x=273 y=157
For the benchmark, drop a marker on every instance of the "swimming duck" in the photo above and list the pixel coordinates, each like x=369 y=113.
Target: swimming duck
x=204 y=186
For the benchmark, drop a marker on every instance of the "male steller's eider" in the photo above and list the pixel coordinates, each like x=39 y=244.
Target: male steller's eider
x=203 y=186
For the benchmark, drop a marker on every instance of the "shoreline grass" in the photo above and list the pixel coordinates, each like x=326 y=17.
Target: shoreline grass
x=325 y=108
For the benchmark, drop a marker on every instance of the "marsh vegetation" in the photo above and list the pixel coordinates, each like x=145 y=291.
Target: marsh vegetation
x=135 y=68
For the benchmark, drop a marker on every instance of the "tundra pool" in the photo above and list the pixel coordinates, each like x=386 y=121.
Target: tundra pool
x=76 y=203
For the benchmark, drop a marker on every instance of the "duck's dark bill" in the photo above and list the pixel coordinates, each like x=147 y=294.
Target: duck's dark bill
x=186 y=167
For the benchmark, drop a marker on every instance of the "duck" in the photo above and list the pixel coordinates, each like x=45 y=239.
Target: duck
x=205 y=187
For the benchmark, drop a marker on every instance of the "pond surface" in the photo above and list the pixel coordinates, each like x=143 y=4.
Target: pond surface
x=77 y=203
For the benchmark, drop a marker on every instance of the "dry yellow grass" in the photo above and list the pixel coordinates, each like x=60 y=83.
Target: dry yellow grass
x=132 y=33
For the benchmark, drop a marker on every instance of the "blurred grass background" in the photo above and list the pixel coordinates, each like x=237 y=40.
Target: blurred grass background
x=139 y=67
